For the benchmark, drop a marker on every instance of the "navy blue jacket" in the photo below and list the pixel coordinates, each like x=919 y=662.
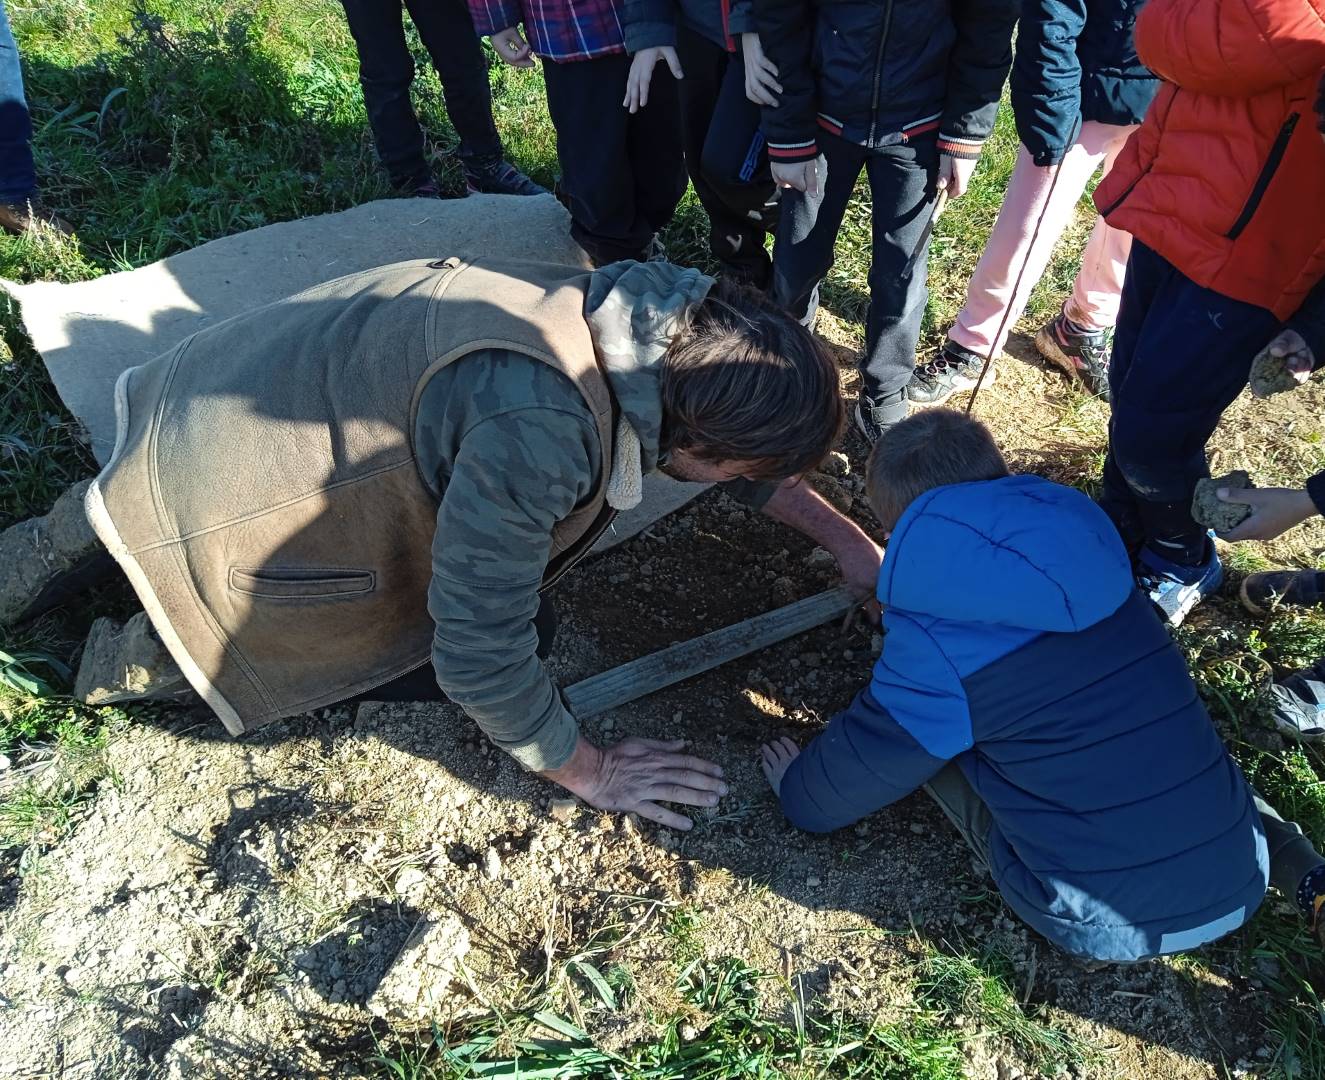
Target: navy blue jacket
x=878 y=72
x=1018 y=646
x=1076 y=61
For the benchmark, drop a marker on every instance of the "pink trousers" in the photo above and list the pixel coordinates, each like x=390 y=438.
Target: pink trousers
x=1094 y=299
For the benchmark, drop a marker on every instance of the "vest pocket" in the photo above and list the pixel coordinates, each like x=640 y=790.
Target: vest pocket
x=1268 y=170
x=300 y=583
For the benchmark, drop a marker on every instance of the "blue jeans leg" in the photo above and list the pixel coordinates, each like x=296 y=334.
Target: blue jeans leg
x=18 y=178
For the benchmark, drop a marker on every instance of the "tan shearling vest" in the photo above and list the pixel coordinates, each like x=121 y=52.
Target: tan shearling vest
x=264 y=497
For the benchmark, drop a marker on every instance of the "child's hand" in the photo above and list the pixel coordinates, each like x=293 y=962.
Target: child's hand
x=955 y=174
x=801 y=175
x=512 y=47
x=1275 y=511
x=774 y=760
x=761 y=74
x=1290 y=350
x=641 y=74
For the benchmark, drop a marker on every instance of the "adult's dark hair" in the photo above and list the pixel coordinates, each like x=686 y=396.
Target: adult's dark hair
x=745 y=382
x=1320 y=105
x=929 y=449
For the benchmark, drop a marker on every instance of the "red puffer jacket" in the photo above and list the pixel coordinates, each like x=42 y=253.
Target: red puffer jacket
x=1226 y=177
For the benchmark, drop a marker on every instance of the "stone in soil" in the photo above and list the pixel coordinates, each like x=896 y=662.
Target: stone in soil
x=1211 y=511
x=123 y=663
x=418 y=982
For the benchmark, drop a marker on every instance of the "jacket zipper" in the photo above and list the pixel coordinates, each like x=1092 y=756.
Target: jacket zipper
x=1107 y=210
x=878 y=70
x=574 y=558
x=1271 y=167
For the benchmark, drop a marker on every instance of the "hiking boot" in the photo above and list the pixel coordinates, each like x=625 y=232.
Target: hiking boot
x=1175 y=589
x=491 y=174
x=1262 y=593
x=1298 y=703
x=126 y=663
x=30 y=216
x=1082 y=354
x=876 y=413
x=954 y=369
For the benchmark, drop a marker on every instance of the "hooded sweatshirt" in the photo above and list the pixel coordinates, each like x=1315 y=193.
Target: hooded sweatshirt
x=1018 y=647
x=511 y=448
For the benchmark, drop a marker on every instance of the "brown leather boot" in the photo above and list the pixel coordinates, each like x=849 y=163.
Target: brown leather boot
x=30 y=216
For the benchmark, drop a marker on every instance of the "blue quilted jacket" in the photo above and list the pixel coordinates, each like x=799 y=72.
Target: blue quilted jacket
x=1018 y=646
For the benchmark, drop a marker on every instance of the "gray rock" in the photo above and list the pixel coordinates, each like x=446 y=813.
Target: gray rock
x=34 y=553
x=418 y=982
x=126 y=663
x=1211 y=511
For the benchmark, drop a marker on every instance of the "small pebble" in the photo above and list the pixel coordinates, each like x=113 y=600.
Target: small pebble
x=812 y=882
x=563 y=809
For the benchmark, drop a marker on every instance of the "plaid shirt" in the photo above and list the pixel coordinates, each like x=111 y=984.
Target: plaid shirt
x=557 y=30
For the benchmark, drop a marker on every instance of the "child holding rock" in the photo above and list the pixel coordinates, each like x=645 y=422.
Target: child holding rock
x=1223 y=190
x=1029 y=687
x=622 y=172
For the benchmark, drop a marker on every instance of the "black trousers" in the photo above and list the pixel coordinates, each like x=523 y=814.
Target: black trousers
x=622 y=174
x=726 y=157
x=386 y=70
x=902 y=189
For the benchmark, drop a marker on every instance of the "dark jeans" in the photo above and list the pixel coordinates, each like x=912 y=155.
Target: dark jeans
x=726 y=158
x=622 y=174
x=1181 y=354
x=902 y=189
x=18 y=179
x=386 y=70
x=421 y=683
x=1292 y=855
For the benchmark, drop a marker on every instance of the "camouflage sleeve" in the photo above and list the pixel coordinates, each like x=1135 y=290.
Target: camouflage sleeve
x=515 y=475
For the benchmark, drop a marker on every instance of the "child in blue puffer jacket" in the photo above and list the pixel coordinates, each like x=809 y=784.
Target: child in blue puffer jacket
x=1030 y=687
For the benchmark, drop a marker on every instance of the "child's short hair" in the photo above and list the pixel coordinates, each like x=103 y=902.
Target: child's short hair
x=929 y=449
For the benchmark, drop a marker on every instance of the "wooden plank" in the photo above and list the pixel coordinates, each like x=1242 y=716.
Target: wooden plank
x=618 y=685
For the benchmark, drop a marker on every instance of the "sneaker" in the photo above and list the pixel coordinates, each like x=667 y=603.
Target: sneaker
x=1175 y=589
x=491 y=174
x=1298 y=703
x=954 y=369
x=424 y=187
x=1082 y=354
x=30 y=216
x=876 y=413
x=1262 y=593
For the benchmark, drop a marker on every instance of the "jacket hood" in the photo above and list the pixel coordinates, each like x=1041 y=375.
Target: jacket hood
x=634 y=311
x=1019 y=551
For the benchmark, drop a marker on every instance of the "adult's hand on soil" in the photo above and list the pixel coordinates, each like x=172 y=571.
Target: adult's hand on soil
x=1274 y=511
x=638 y=774
x=511 y=46
x=641 y=74
x=801 y=175
x=860 y=564
x=954 y=175
x=761 y=74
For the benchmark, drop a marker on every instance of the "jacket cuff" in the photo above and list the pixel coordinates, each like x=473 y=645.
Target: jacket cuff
x=1316 y=489
x=959 y=146
x=649 y=35
x=553 y=746
x=741 y=22
x=790 y=153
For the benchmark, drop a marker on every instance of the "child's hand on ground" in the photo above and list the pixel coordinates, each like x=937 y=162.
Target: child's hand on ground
x=761 y=74
x=801 y=175
x=955 y=174
x=775 y=758
x=512 y=47
x=641 y=74
x=1274 y=511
